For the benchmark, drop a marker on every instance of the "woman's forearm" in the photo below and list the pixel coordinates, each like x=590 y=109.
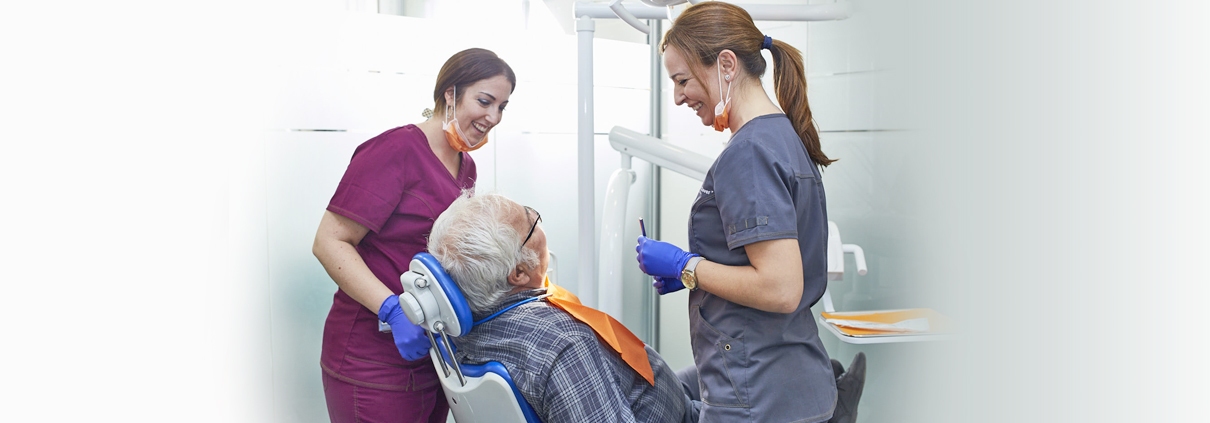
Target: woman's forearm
x=773 y=282
x=335 y=248
x=345 y=266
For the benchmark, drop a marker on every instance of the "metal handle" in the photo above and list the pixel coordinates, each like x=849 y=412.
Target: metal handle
x=453 y=360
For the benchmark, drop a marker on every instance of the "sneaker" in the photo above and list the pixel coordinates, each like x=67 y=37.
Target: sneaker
x=848 y=389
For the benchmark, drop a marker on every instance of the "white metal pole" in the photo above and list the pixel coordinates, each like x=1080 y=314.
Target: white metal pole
x=587 y=266
x=651 y=301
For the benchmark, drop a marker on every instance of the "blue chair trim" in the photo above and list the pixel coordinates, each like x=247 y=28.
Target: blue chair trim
x=514 y=305
x=478 y=370
x=462 y=310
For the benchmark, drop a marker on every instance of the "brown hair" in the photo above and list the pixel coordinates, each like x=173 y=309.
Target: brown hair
x=705 y=29
x=468 y=67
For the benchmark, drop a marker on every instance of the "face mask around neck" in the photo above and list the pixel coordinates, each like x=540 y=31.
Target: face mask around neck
x=722 y=111
x=453 y=131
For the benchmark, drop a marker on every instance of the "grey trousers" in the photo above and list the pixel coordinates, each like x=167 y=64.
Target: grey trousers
x=693 y=395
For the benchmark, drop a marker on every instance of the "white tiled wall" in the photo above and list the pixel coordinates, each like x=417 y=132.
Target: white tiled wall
x=855 y=77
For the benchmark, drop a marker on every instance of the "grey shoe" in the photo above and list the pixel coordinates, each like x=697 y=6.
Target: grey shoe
x=848 y=389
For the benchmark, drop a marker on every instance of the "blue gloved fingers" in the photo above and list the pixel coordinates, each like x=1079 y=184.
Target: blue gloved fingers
x=667 y=285
x=642 y=258
x=410 y=339
x=638 y=249
x=661 y=259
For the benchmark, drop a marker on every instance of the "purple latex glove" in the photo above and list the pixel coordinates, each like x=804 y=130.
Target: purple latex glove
x=661 y=259
x=666 y=285
x=412 y=342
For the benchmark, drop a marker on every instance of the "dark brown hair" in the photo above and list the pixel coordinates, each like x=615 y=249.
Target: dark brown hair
x=468 y=67
x=704 y=30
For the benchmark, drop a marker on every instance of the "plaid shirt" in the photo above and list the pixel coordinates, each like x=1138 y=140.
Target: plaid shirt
x=564 y=372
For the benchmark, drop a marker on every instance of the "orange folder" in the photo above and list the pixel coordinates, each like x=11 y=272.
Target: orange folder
x=938 y=323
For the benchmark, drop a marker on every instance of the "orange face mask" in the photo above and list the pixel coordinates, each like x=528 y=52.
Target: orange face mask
x=722 y=111
x=453 y=132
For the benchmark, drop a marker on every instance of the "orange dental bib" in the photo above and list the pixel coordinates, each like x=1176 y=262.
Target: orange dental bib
x=608 y=329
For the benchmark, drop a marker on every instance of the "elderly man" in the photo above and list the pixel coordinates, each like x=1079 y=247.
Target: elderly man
x=496 y=252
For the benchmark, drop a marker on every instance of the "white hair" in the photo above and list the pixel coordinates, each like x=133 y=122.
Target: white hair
x=474 y=239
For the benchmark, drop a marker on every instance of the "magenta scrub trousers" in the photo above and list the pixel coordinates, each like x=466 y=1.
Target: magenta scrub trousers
x=349 y=403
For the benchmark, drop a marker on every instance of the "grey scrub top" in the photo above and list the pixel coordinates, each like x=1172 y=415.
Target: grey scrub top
x=755 y=365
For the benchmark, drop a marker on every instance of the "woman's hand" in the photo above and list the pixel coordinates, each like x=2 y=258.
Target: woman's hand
x=667 y=285
x=411 y=341
x=661 y=259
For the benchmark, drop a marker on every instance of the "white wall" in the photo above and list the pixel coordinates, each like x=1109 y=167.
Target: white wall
x=1020 y=194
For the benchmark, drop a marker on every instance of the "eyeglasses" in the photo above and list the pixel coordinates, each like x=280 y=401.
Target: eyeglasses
x=531 y=228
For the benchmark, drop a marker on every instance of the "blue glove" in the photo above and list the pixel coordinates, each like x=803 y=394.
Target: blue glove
x=661 y=259
x=410 y=339
x=666 y=285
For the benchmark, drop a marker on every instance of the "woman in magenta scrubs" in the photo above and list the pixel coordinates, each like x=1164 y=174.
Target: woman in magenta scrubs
x=397 y=183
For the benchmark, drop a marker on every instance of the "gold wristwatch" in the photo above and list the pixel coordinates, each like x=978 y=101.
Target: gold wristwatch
x=688 y=277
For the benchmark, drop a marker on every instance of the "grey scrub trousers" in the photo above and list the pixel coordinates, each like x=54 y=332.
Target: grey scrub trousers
x=755 y=365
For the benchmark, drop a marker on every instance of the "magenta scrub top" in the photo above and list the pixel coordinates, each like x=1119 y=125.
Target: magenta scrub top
x=396 y=187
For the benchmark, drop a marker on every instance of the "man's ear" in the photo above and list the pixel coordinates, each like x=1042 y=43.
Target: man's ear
x=518 y=277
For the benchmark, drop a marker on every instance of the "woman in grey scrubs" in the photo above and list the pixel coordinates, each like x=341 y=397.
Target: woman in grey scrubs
x=758 y=229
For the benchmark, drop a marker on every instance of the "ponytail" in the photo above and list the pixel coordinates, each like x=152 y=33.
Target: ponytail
x=705 y=29
x=790 y=83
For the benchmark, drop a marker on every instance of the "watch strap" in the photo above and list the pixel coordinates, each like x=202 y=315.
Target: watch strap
x=689 y=274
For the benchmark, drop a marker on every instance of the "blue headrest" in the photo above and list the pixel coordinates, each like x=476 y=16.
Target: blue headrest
x=438 y=300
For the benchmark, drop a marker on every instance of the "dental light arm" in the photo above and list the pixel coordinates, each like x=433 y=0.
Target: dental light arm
x=659 y=153
x=608 y=284
x=625 y=15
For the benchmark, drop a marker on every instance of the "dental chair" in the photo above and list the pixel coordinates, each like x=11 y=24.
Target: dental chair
x=475 y=392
